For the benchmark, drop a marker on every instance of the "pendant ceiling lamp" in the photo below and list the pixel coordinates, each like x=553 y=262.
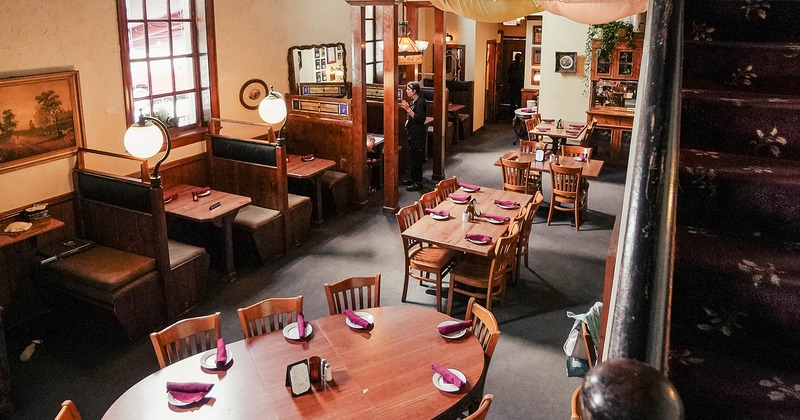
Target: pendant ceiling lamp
x=593 y=12
x=493 y=11
x=408 y=50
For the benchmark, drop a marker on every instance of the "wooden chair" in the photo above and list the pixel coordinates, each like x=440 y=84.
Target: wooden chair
x=428 y=200
x=526 y=226
x=68 y=411
x=483 y=408
x=186 y=338
x=446 y=187
x=487 y=331
x=576 y=405
x=269 y=315
x=530 y=124
x=354 y=293
x=567 y=193
x=586 y=140
x=484 y=278
x=422 y=261
x=574 y=151
x=525 y=146
x=516 y=176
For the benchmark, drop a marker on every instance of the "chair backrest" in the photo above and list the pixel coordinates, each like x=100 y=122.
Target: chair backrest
x=515 y=175
x=577 y=407
x=428 y=200
x=483 y=408
x=484 y=326
x=586 y=141
x=530 y=124
x=406 y=217
x=566 y=181
x=354 y=293
x=591 y=349
x=68 y=411
x=527 y=223
x=447 y=186
x=505 y=252
x=527 y=146
x=573 y=151
x=186 y=338
x=269 y=315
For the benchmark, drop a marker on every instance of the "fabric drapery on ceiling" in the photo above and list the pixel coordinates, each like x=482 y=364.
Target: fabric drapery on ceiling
x=495 y=11
x=594 y=11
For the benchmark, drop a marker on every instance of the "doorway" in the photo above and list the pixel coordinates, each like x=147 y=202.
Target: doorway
x=508 y=100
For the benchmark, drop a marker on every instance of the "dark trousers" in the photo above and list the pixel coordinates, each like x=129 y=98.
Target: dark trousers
x=417 y=161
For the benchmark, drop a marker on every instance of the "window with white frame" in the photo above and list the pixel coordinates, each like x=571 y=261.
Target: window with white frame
x=373 y=28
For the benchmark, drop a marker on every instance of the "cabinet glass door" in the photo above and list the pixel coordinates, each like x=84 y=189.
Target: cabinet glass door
x=603 y=64
x=625 y=63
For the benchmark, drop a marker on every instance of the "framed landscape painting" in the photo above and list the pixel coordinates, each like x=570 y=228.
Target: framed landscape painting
x=40 y=119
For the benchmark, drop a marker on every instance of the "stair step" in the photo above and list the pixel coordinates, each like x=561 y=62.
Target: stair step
x=772 y=68
x=739 y=194
x=730 y=122
x=742 y=20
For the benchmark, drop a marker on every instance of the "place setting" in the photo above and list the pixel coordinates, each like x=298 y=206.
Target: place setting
x=496 y=219
x=218 y=359
x=438 y=214
x=447 y=379
x=188 y=394
x=359 y=320
x=506 y=204
x=469 y=187
x=453 y=329
x=299 y=330
x=459 y=198
x=478 y=239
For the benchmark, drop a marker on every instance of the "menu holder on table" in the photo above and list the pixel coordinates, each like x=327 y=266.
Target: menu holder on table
x=298 y=378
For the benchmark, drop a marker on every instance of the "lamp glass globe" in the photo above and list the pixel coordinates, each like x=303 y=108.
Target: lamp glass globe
x=143 y=141
x=272 y=110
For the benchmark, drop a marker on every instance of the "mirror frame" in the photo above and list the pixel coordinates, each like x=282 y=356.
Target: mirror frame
x=293 y=84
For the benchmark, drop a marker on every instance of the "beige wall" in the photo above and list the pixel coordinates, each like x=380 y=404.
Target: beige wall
x=253 y=37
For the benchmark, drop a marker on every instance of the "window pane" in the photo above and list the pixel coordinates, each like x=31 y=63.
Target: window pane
x=379 y=55
x=379 y=30
x=203 y=64
x=139 y=80
x=379 y=72
x=181 y=38
x=369 y=71
x=158 y=39
x=136 y=40
x=369 y=12
x=156 y=9
x=370 y=52
x=200 y=25
x=180 y=9
x=134 y=8
x=143 y=106
x=164 y=109
x=161 y=75
x=186 y=108
x=369 y=33
x=206 y=98
x=184 y=73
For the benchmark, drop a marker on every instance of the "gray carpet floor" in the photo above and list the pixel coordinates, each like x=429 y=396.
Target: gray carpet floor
x=81 y=361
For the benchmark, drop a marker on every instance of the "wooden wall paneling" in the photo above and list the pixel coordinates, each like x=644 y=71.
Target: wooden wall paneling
x=440 y=108
x=192 y=170
x=359 y=99
x=391 y=116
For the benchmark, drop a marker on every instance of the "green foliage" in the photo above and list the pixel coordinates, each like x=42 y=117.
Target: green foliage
x=610 y=34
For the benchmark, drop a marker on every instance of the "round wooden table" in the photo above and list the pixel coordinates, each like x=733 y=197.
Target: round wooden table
x=382 y=373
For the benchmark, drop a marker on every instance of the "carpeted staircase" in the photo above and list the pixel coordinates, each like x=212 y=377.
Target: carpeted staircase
x=735 y=330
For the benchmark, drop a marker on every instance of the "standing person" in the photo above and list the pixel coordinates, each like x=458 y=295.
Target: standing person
x=417 y=134
x=516 y=79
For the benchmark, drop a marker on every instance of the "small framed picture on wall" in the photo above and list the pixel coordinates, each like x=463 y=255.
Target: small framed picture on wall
x=536 y=56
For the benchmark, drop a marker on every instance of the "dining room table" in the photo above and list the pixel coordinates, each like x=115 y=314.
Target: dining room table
x=452 y=232
x=211 y=206
x=383 y=371
x=591 y=167
x=570 y=130
x=310 y=168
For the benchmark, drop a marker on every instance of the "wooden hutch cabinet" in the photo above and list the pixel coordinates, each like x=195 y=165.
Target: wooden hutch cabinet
x=612 y=98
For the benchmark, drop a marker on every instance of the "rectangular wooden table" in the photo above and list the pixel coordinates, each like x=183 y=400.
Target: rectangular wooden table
x=311 y=170
x=38 y=227
x=451 y=233
x=559 y=134
x=591 y=169
x=222 y=216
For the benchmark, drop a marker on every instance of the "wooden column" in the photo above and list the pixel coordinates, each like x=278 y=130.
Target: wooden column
x=439 y=105
x=390 y=110
x=359 y=99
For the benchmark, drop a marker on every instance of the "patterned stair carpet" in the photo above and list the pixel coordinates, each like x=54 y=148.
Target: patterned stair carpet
x=735 y=321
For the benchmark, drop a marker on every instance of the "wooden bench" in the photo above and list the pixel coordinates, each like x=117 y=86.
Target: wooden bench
x=133 y=271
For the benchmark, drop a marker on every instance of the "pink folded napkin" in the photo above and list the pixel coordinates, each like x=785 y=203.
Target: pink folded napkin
x=478 y=237
x=528 y=110
x=506 y=203
x=447 y=376
x=301 y=326
x=576 y=125
x=548 y=120
x=581 y=158
x=460 y=197
x=469 y=186
x=572 y=131
x=306 y=158
x=202 y=190
x=496 y=217
x=540 y=128
x=170 y=198
x=458 y=326
x=355 y=319
x=188 y=392
x=222 y=353
x=512 y=157
x=443 y=213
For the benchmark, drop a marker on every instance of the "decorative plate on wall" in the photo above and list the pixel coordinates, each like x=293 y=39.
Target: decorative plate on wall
x=566 y=62
x=252 y=93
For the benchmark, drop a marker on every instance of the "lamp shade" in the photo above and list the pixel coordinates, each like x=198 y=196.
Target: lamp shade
x=143 y=140
x=273 y=109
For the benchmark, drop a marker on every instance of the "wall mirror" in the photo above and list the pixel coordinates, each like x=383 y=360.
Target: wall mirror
x=318 y=70
x=454 y=62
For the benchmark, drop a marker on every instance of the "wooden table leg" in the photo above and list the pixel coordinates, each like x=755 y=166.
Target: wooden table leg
x=227 y=223
x=318 y=191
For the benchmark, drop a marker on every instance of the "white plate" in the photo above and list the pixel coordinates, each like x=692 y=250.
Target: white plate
x=496 y=222
x=178 y=403
x=438 y=382
x=578 y=159
x=507 y=207
x=479 y=242
x=452 y=336
x=469 y=190
x=437 y=217
x=307 y=160
x=366 y=315
x=290 y=331
x=209 y=359
x=204 y=194
x=458 y=202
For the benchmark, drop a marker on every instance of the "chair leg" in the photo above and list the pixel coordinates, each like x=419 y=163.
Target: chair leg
x=439 y=291
x=577 y=217
x=450 y=295
x=550 y=213
x=405 y=285
x=525 y=254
